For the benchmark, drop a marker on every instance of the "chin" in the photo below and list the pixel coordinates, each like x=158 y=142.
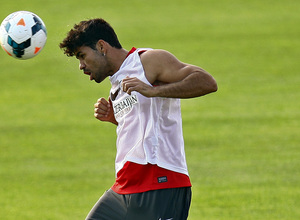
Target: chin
x=98 y=80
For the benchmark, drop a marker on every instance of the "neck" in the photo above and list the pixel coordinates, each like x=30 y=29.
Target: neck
x=117 y=57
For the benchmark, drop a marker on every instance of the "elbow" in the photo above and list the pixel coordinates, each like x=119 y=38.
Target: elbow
x=211 y=84
x=207 y=88
x=214 y=86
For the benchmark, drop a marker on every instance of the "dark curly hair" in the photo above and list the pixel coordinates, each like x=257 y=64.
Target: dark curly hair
x=88 y=33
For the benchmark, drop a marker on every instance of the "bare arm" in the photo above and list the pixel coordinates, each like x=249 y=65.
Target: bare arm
x=175 y=79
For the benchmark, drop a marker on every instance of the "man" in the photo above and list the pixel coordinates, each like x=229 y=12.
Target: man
x=152 y=181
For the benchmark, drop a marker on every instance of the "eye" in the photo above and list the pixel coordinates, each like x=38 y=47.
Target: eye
x=80 y=55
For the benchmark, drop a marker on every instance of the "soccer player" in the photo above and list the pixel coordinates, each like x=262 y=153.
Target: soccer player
x=152 y=180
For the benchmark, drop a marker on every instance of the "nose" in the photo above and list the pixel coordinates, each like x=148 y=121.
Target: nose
x=81 y=65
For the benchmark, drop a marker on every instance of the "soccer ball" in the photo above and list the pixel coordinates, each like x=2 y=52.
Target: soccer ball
x=23 y=35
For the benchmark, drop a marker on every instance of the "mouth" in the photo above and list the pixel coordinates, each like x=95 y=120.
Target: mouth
x=90 y=74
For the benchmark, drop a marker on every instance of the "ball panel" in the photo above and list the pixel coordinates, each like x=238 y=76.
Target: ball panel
x=7 y=27
x=6 y=50
x=19 y=48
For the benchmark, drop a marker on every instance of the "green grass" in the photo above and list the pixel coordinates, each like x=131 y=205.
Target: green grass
x=242 y=143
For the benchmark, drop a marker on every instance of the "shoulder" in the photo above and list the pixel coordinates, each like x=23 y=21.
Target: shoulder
x=156 y=55
x=157 y=61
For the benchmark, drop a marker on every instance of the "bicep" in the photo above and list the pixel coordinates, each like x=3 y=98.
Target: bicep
x=162 y=66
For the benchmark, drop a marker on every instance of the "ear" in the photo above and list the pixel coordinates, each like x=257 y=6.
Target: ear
x=101 y=46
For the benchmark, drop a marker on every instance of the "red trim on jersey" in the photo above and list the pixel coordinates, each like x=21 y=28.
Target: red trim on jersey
x=131 y=51
x=134 y=49
x=137 y=178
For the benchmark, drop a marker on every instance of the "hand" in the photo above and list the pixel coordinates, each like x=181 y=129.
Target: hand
x=134 y=84
x=104 y=111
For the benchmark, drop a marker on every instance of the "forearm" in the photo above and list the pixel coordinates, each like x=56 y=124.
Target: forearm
x=194 y=85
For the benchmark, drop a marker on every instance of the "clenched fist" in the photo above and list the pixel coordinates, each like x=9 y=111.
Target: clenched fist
x=104 y=111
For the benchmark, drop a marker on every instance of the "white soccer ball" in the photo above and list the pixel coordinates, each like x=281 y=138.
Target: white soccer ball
x=23 y=35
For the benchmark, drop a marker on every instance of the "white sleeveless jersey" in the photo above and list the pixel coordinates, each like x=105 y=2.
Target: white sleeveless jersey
x=149 y=129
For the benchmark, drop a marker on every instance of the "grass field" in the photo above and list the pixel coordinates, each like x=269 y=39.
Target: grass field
x=242 y=143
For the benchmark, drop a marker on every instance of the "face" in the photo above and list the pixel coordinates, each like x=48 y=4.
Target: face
x=93 y=63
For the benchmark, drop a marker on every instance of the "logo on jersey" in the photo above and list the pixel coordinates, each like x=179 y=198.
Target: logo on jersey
x=124 y=106
x=115 y=92
x=162 y=179
x=113 y=96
